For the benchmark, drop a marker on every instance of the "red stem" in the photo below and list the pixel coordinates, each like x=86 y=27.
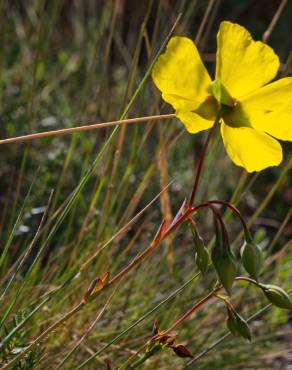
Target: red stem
x=235 y=211
x=192 y=310
x=199 y=304
x=201 y=162
x=223 y=228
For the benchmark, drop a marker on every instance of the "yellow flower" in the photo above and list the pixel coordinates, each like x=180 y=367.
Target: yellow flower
x=251 y=110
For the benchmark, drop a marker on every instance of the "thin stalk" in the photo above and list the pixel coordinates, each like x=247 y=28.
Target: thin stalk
x=200 y=303
x=204 y=21
x=237 y=214
x=201 y=160
x=218 y=216
x=120 y=232
x=274 y=21
x=94 y=126
x=152 y=246
x=192 y=310
x=231 y=207
x=135 y=262
x=129 y=362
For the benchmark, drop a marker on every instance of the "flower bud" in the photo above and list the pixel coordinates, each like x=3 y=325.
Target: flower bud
x=96 y=285
x=181 y=351
x=277 y=296
x=223 y=258
x=252 y=260
x=225 y=266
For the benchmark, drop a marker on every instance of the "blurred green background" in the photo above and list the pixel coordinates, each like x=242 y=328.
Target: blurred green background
x=66 y=63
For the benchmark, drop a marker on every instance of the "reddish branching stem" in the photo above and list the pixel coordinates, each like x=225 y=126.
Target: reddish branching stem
x=199 y=304
x=235 y=211
x=201 y=162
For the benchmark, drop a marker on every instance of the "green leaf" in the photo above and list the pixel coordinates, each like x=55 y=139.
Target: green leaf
x=251 y=257
x=277 y=296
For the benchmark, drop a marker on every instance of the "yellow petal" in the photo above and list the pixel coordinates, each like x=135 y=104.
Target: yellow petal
x=193 y=122
x=269 y=109
x=242 y=64
x=251 y=149
x=280 y=124
x=180 y=74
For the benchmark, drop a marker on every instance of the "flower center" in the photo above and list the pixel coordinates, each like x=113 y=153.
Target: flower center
x=230 y=108
x=220 y=101
x=221 y=94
